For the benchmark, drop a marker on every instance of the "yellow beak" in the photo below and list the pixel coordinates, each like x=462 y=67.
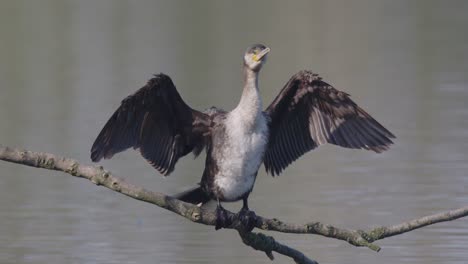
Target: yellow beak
x=262 y=54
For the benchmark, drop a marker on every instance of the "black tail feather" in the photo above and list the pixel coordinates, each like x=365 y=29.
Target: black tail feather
x=193 y=195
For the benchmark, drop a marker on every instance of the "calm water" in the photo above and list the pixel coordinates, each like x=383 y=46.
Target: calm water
x=65 y=66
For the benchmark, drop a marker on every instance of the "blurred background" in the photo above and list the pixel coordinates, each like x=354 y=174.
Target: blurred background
x=66 y=65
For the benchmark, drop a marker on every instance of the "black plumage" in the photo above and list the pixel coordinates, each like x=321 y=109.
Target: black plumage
x=156 y=121
x=307 y=113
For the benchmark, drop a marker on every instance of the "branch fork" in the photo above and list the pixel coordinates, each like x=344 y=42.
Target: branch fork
x=258 y=241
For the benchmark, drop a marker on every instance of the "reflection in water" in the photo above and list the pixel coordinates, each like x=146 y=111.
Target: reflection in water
x=65 y=66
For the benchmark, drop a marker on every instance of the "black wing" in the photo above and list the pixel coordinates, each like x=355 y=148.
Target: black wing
x=156 y=121
x=309 y=112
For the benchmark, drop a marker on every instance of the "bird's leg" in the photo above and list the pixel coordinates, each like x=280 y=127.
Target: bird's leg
x=222 y=219
x=246 y=217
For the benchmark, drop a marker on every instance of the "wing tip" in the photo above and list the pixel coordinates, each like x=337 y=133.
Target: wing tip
x=381 y=148
x=272 y=170
x=99 y=154
x=100 y=151
x=96 y=155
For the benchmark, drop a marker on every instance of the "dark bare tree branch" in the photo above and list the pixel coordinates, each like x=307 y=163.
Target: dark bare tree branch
x=257 y=241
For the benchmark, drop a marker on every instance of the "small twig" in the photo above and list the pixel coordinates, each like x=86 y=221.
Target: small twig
x=267 y=244
x=383 y=232
x=99 y=176
x=258 y=241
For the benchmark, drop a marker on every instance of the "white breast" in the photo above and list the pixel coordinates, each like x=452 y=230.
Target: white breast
x=243 y=154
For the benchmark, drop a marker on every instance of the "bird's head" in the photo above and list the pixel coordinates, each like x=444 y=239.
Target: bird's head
x=255 y=57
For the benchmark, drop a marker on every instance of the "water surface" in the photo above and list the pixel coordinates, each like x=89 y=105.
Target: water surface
x=65 y=66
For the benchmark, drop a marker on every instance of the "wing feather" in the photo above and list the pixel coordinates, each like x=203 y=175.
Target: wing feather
x=156 y=121
x=309 y=112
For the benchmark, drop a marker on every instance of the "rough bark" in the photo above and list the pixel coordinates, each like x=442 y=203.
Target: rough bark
x=257 y=241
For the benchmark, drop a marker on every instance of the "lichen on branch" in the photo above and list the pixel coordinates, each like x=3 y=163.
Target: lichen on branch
x=258 y=241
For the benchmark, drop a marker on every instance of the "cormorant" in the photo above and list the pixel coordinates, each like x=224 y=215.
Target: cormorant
x=307 y=113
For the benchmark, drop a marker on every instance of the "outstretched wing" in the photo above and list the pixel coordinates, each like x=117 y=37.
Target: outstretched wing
x=156 y=121
x=309 y=112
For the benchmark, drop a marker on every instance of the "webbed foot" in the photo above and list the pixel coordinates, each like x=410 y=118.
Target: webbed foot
x=247 y=218
x=222 y=219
